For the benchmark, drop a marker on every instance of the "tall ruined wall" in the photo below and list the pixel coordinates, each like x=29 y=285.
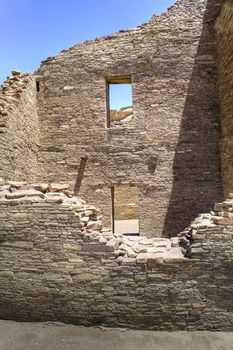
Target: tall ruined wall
x=171 y=149
x=224 y=28
x=58 y=264
x=19 y=128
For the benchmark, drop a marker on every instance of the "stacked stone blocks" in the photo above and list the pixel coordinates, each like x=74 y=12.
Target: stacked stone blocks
x=59 y=264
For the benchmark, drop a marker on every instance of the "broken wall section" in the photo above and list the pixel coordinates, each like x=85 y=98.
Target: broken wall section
x=224 y=28
x=67 y=268
x=19 y=128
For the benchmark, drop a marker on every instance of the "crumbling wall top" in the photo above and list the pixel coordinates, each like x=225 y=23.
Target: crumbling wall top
x=159 y=23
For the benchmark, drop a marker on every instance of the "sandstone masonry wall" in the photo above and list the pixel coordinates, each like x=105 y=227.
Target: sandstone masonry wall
x=171 y=149
x=19 y=128
x=58 y=264
x=224 y=29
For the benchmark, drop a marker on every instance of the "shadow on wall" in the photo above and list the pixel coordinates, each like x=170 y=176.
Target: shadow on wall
x=196 y=167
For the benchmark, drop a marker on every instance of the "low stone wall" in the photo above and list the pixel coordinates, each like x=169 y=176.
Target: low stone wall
x=59 y=264
x=19 y=128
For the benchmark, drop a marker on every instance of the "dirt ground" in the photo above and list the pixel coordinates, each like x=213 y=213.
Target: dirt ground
x=45 y=336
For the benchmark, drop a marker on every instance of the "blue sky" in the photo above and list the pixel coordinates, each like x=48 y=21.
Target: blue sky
x=120 y=96
x=32 y=30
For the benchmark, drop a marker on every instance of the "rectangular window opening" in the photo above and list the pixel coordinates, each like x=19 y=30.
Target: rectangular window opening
x=119 y=101
x=125 y=209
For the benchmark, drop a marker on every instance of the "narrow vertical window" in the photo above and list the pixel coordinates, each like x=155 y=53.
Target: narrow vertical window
x=119 y=101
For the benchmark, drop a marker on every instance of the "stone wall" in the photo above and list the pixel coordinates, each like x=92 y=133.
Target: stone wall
x=59 y=264
x=224 y=29
x=19 y=128
x=170 y=151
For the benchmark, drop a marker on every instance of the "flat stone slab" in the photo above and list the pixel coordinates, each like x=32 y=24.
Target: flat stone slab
x=126 y=226
x=38 y=336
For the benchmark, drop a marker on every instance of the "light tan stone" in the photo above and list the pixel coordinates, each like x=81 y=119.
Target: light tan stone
x=17 y=184
x=54 y=200
x=43 y=187
x=18 y=244
x=57 y=187
x=69 y=246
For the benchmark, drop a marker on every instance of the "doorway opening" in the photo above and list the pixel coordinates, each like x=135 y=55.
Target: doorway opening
x=125 y=209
